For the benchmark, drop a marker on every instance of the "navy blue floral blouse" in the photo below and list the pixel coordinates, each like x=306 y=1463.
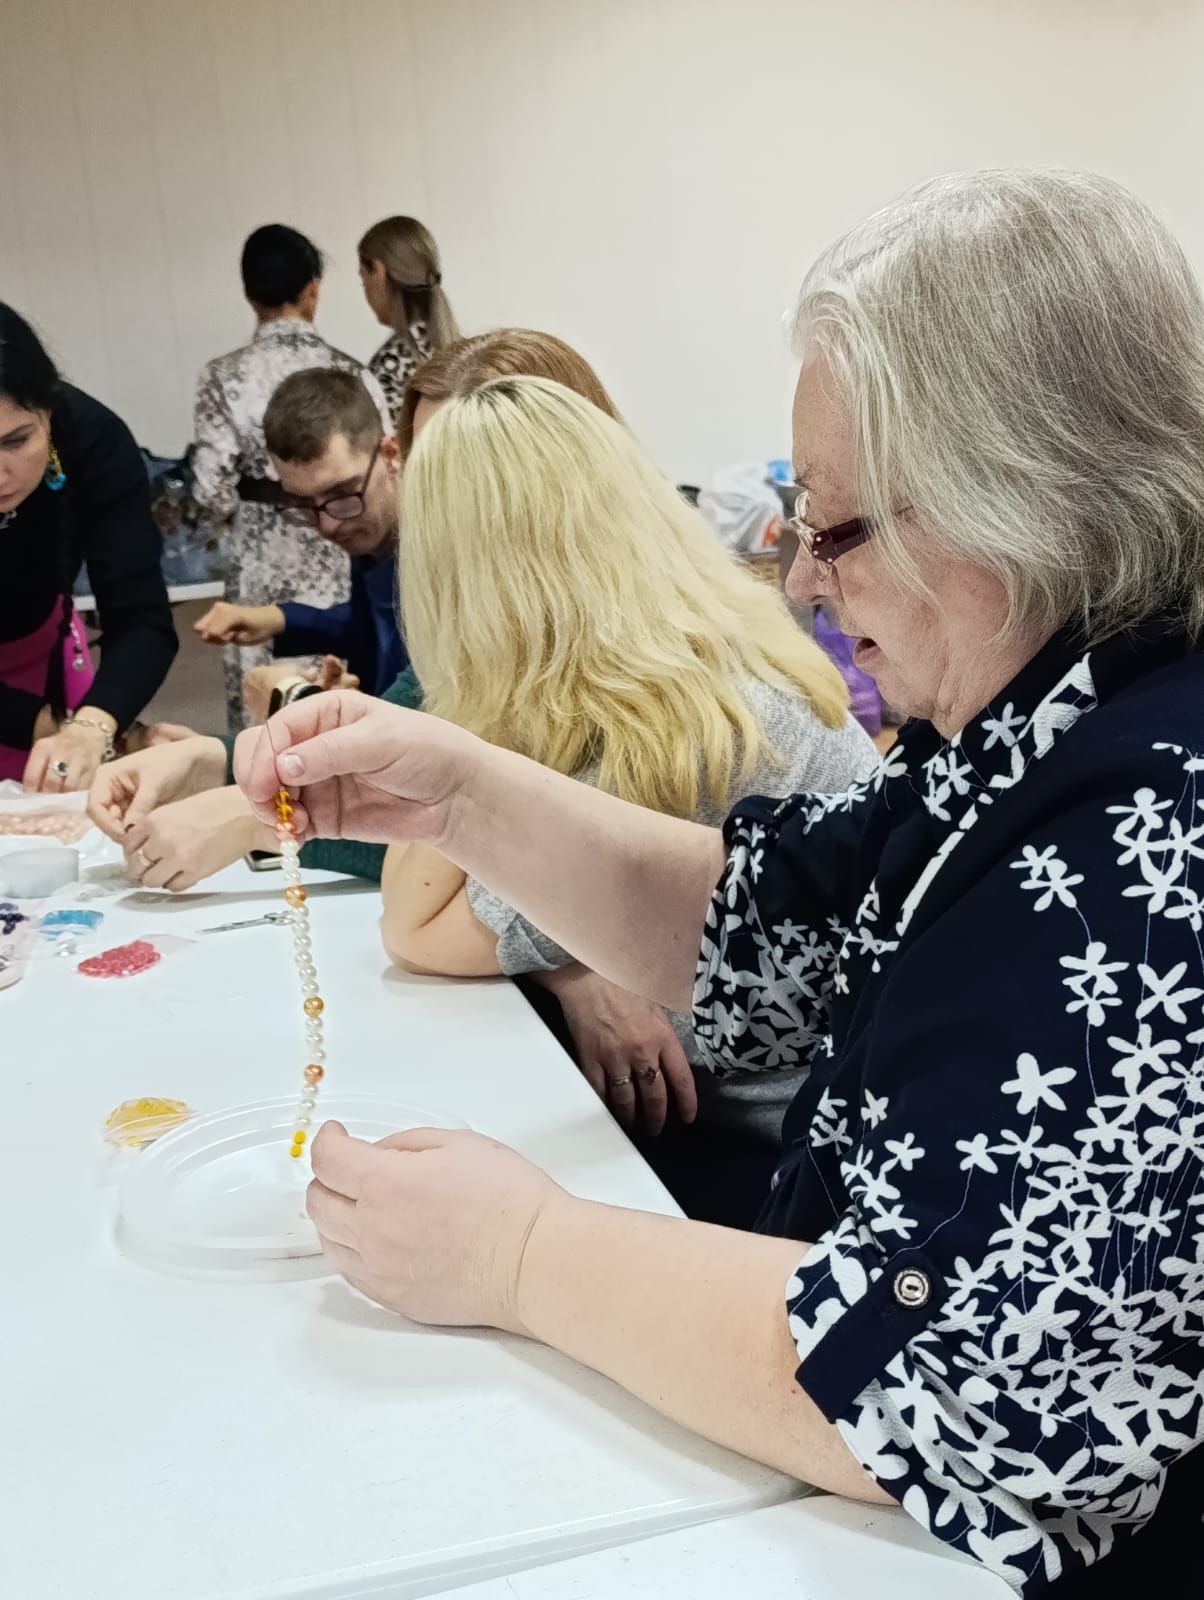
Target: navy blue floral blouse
x=990 y=957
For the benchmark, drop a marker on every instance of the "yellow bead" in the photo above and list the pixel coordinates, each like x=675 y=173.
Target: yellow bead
x=299 y=1137
x=294 y=1150
x=314 y=1006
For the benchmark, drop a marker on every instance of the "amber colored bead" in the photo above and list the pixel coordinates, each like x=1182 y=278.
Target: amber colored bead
x=295 y=895
x=314 y=1073
x=286 y=829
x=314 y=1006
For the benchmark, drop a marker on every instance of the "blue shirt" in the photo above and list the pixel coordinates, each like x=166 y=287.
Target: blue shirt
x=989 y=960
x=364 y=631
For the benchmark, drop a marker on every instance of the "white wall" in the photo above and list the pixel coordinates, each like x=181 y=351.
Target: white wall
x=646 y=178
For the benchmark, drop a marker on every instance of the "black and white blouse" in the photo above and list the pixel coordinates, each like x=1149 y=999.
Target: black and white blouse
x=396 y=362
x=990 y=956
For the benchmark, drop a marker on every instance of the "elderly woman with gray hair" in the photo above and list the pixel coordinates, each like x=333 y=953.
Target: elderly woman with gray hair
x=978 y=1282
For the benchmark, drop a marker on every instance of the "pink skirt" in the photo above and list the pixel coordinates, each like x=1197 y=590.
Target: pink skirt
x=24 y=664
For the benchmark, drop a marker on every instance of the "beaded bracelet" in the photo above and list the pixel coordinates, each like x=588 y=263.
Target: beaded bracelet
x=303 y=959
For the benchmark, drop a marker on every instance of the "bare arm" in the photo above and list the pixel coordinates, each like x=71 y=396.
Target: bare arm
x=455 y=1229
x=692 y=1319
x=428 y=924
x=625 y=889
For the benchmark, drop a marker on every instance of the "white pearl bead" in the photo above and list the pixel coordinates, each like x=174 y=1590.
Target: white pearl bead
x=309 y=988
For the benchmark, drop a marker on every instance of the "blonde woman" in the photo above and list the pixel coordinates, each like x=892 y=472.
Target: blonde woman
x=403 y=285
x=561 y=600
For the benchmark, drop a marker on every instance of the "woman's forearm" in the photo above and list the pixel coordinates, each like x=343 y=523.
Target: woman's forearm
x=626 y=890
x=690 y=1318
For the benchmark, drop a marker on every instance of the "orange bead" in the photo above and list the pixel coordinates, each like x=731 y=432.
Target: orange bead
x=314 y=1006
x=314 y=1074
x=295 y=895
x=286 y=830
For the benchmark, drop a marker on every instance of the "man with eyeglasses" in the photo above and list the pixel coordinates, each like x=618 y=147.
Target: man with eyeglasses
x=336 y=467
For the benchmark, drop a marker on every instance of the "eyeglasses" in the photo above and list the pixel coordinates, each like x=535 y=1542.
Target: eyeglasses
x=827 y=545
x=341 y=507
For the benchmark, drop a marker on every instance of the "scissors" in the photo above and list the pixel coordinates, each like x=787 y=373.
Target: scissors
x=269 y=918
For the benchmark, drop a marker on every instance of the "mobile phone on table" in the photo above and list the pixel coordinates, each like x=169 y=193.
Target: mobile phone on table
x=263 y=860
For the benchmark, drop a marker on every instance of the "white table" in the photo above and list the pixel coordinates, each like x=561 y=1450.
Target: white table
x=177 y=594
x=815 y=1549
x=170 y=1439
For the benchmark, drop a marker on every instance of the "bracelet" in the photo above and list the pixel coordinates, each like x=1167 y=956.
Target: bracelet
x=110 y=750
x=289 y=690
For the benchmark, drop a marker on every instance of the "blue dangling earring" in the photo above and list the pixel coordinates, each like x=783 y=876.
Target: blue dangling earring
x=55 y=477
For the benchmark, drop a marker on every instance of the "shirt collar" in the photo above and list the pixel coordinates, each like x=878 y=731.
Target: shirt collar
x=280 y=326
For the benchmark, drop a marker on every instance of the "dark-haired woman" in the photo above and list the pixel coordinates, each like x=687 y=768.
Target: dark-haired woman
x=274 y=554
x=73 y=490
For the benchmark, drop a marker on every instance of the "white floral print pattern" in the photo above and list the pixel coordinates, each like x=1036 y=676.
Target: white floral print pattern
x=1014 y=1005
x=274 y=555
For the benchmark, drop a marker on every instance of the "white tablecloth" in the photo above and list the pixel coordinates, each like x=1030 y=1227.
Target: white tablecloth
x=171 y=1439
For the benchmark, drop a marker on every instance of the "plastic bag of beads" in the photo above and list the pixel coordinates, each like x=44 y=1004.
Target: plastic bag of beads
x=139 y=1122
x=18 y=928
x=129 y=960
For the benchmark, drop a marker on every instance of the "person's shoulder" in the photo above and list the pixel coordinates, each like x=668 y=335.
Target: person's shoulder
x=332 y=356
x=807 y=754
x=387 y=356
x=1143 y=730
x=220 y=369
x=89 y=433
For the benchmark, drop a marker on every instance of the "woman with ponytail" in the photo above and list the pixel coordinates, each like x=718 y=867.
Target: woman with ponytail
x=73 y=490
x=403 y=285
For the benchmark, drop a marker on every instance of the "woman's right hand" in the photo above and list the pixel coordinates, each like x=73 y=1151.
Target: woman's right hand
x=358 y=768
x=125 y=792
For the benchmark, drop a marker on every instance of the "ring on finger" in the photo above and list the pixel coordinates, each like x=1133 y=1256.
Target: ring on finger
x=620 y=1083
x=59 y=768
x=647 y=1074
x=141 y=862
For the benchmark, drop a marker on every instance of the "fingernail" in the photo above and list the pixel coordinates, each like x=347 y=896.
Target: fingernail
x=290 y=766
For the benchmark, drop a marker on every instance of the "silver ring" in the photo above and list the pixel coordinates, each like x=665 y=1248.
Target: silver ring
x=59 y=768
x=147 y=863
x=619 y=1083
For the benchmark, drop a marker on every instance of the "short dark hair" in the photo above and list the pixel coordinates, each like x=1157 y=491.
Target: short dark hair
x=310 y=407
x=277 y=264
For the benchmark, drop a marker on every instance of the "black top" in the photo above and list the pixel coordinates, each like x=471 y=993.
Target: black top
x=988 y=958
x=102 y=517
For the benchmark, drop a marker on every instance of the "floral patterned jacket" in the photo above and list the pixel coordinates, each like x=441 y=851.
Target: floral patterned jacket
x=990 y=958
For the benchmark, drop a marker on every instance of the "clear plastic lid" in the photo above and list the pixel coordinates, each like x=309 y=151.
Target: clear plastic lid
x=222 y=1197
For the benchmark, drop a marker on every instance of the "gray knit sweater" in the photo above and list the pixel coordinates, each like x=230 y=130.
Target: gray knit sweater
x=814 y=759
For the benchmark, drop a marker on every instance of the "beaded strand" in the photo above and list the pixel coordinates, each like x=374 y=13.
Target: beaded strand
x=303 y=958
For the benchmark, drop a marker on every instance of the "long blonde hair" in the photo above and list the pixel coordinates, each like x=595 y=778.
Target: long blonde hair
x=410 y=257
x=562 y=600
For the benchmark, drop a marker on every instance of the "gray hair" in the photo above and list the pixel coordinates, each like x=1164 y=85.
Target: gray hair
x=1022 y=353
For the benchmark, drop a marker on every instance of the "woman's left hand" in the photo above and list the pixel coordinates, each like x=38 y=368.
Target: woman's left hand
x=430 y=1223
x=76 y=746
